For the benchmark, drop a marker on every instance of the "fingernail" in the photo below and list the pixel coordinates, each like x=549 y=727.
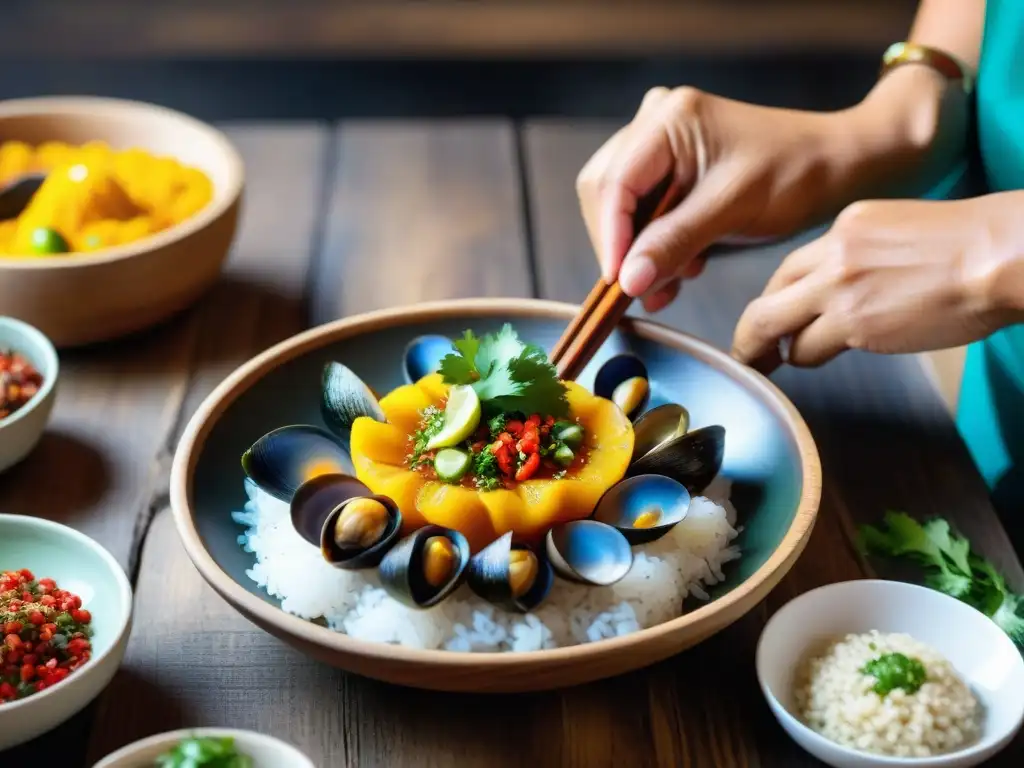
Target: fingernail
x=638 y=275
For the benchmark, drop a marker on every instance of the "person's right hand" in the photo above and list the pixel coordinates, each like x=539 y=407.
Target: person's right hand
x=745 y=170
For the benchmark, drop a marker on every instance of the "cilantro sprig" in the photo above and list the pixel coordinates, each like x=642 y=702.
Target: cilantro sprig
x=204 y=753
x=950 y=566
x=509 y=375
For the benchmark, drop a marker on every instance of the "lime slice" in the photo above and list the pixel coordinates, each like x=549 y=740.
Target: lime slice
x=451 y=464
x=461 y=418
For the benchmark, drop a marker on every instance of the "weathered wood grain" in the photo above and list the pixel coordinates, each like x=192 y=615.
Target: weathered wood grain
x=885 y=437
x=421 y=211
x=552 y=28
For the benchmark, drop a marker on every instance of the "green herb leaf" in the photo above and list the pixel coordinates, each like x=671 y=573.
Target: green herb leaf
x=204 y=753
x=895 y=670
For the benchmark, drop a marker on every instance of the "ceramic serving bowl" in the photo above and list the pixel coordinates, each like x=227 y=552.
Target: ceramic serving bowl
x=265 y=751
x=82 y=298
x=769 y=456
x=20 y=431
x=79 y=564
x=980 y=652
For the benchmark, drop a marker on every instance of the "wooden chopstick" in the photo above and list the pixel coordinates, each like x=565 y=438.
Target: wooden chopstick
x=606 y=305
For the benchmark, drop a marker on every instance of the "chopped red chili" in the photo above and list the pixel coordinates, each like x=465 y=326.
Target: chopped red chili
x=45 y=634
x=19 y=382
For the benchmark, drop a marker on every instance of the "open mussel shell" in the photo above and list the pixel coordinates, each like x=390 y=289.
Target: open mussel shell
x=643 y=508
x=658 y=426
x=315 y=499
x=693 y=459
x=358 y=532
x=425 y=567
x=588 y=552
x=510 y=575
x=423 y=356
x=344 y=397
x=282 y=460
x=623 y=379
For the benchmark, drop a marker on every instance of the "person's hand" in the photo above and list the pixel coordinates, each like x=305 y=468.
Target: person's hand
x=890 y=277
x=747 y=170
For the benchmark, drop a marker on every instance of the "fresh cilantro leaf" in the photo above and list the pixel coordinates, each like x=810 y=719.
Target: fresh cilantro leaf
x=541 y=391
x=953 y=584
x=903 y=535
x=497 y=349
x=955 y=548
x=497 y=425
x=468 y=346
x=456 y=369
x=1008 y=617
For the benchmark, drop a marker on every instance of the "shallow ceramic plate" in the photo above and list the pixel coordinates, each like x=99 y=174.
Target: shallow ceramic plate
x=769 y=456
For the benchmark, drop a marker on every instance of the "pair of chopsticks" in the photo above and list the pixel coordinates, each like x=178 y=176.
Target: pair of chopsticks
x=606 y=304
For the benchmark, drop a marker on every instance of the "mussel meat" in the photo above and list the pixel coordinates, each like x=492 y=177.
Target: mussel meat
x=510 y=575
x=315 y=499
x=425 y=567
x=693 y=459
x=282 y=460
x=423 y=356
x=643 y=508
x=589 y=552
x=623 y=379
x=658 y=426
x=344 y=397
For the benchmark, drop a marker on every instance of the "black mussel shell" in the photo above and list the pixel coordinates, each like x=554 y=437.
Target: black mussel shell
x=369 y=557
x=401 y=571
x=618 y=370
x=344 y=397
x=588 y=552
x=626 y=502
x=693 y=459
x=423 y=356
x=282 y=460
x=657 y=426
x=315 y=499
x=488 y=576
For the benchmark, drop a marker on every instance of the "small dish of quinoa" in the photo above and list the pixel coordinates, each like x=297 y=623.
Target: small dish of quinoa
x=884 y=674
x=887 y=694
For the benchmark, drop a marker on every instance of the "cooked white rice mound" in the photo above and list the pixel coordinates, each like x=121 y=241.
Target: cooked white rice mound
x=835 y=699
x=681 y=563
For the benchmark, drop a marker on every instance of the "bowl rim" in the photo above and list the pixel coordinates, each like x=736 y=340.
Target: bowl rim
x=67 y=106
x=239 y=381
x=124 y=589
x=996 y=742
x=52 y=360
x=173 y=737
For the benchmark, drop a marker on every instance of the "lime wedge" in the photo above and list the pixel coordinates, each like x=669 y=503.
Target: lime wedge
x=461 y=418
x=451 y=464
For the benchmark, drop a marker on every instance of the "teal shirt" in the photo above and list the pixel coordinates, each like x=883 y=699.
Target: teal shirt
x=991 y=409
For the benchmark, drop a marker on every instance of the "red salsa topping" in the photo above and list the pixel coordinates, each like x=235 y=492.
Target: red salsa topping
x=19 y=382
x=44 y=634
x=507 y=449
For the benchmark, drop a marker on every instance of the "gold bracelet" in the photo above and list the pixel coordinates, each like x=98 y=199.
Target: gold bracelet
x=898 y=54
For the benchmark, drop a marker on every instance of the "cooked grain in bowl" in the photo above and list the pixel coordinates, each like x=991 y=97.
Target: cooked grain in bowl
x=887 y=694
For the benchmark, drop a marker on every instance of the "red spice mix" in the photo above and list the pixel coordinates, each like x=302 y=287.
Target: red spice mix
x=19 y=382
x=44 y=632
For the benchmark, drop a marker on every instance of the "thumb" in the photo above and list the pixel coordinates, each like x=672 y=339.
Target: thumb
x=668 y=246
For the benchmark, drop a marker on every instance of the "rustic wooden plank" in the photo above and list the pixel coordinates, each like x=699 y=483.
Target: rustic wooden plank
x=427 y=210
x=497 y=28
x=885 y=438
x=258 y=302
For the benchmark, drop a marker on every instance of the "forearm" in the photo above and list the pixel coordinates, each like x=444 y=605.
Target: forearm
x=998 y=281
x=911 y=129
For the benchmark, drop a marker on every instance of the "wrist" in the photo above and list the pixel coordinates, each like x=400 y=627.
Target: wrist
x=1000 y=278
x=902 y=138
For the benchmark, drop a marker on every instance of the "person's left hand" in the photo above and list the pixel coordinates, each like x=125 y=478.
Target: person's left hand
x=889 y=277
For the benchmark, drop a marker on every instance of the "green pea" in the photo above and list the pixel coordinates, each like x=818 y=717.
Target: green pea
x=47 y=240
x=572 y=436
x=564 y=455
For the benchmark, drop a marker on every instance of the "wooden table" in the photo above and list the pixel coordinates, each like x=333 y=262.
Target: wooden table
x=341 y=219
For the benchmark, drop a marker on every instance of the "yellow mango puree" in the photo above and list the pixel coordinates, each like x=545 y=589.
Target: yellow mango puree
x=95 y=198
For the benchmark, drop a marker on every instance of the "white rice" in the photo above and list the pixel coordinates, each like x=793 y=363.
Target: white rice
x=835 y=699
x=664 y=572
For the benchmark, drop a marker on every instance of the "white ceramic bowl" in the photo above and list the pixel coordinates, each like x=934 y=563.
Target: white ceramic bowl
x=20 y=432
x=266 y=751
x=79 y=564
x=980 y=652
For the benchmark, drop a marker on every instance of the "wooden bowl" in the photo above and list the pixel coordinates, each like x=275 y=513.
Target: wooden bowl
x=85 y=298
x=770 y=458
